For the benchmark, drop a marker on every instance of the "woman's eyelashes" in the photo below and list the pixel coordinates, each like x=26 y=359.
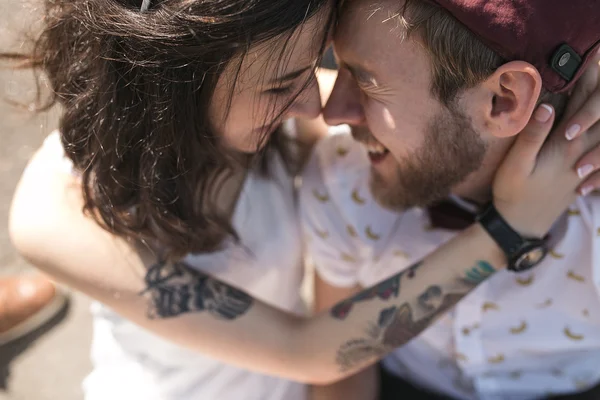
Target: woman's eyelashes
x=281 y=90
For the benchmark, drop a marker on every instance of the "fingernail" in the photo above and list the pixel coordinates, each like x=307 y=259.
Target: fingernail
x=572 y=131
x=586 y=190
x=543 y=113
x=585 y=170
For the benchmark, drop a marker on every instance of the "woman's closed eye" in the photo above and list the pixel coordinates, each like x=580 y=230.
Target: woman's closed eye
x=286 y=84
x=281 y=90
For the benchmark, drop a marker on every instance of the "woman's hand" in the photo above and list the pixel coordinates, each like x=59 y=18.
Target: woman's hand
x=543 y=172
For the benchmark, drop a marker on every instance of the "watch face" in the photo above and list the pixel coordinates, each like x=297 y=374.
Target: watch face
x=530 y=257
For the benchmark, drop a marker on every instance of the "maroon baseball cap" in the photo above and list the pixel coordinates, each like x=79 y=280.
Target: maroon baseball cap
x=559 y=37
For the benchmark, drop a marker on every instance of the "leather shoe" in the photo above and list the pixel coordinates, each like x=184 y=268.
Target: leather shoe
x=26 y=304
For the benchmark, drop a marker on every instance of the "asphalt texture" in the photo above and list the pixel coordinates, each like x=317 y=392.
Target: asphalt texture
x=48 y=364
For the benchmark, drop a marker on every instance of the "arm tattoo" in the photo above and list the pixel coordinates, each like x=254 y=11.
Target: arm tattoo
x=480 y=272
x=176 y=289
x=397 y=325
x=384 y=291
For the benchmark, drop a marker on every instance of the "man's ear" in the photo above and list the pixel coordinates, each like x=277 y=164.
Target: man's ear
x=513 y=93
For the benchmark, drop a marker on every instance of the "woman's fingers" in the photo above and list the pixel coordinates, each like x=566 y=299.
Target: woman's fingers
x=584 y=118
x=590 y=161
x=521 y=159
x=590 y=184
x=583 y=109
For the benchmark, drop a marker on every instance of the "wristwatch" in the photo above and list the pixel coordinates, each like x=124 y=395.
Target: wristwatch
x=521 y=253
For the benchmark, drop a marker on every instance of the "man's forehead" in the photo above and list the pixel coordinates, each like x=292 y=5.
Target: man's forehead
x=371 y=43
x=368 y=9
x=359 y=18
x=367 y=27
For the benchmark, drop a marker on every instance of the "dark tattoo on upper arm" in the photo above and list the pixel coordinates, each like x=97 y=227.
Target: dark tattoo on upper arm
x=384 y=291
x=176 y=289
x=397 y=325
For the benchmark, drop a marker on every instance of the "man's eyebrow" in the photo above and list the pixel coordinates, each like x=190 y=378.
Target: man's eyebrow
x=358 y=73
x=290 y=75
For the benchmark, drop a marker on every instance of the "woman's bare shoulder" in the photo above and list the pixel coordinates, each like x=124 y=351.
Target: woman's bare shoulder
x=47 y=199
x=48 y=227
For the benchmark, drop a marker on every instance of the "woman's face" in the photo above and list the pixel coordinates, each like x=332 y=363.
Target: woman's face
x=270 y=76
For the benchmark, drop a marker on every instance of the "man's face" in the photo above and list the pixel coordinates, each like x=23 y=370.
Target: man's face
x=419 y=148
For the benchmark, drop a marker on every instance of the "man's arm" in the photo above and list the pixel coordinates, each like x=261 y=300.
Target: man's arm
x=364 y=385
x=211 y=317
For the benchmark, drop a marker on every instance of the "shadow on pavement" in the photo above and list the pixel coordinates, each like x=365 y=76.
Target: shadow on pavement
x=12 y=350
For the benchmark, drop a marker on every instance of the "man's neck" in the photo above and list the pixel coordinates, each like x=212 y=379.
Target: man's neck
x=477 y=187
x=478 y=195
x=466 y=204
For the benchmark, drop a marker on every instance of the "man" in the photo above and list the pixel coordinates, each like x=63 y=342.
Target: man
x=435 y=93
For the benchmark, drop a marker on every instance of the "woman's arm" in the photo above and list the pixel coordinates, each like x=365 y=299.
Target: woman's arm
x=206 y=315
x=209 y=316
x=49 y=229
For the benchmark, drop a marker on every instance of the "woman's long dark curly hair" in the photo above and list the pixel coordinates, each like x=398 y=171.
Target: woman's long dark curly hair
x=135 y=88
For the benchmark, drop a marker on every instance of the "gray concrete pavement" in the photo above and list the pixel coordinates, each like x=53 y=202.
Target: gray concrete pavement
x=48 y=365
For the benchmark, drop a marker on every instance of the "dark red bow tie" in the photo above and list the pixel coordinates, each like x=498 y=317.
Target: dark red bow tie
x=448 y=215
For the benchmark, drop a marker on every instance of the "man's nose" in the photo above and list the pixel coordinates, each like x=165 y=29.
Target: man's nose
x=343 y=106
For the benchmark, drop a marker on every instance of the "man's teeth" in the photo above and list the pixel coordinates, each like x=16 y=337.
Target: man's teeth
x=375 y=148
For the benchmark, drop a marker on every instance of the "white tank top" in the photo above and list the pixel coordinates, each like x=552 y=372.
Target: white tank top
x=131 y=363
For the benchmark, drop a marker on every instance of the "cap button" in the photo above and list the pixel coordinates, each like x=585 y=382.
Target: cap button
x=564 y=59
x=566 y=62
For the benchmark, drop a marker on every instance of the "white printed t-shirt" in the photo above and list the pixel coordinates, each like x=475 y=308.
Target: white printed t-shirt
x=130 y=363
x=516 y=336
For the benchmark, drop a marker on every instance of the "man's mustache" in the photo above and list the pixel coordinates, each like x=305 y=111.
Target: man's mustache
x=363 y=135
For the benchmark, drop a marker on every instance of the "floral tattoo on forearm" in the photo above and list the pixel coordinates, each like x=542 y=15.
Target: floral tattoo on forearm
x=396 y=325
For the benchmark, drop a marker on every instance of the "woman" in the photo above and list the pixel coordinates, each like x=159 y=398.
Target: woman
x=171 y=132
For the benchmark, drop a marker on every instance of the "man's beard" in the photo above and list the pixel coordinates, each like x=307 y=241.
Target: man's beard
x=451 y=151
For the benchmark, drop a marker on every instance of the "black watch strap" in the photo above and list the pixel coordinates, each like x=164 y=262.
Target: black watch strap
x=507 y=238
x=521 y=253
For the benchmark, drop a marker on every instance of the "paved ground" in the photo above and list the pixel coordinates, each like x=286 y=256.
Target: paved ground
x=47 y=365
